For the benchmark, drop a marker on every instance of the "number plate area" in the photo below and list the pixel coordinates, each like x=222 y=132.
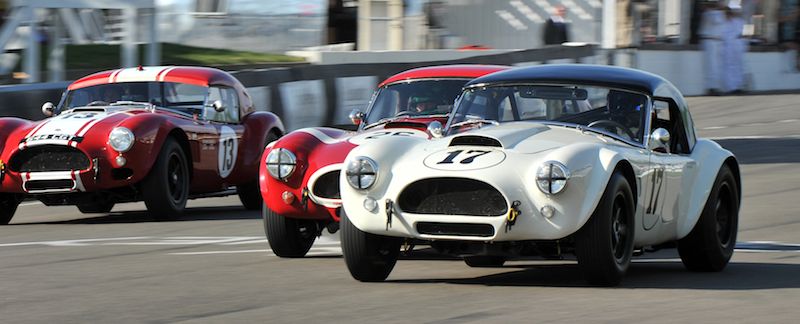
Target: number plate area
x=462 y=159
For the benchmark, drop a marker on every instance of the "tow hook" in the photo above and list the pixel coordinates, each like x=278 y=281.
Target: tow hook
x=304 y=199
x=513 y=213
x=96 y=168
x=407 y=247
x=389 y=212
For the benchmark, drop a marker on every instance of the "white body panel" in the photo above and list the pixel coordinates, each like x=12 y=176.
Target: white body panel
x=676 y=185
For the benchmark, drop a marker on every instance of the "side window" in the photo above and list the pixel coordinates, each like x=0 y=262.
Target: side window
x=229 y=100
x=666 y=115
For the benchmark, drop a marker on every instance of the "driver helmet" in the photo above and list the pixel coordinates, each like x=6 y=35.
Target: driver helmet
x=421 y=103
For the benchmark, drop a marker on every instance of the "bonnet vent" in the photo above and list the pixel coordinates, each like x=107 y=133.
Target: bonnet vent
x=475 y=141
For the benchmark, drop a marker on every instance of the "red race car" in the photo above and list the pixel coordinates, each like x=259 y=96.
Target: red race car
x=299 y=175
x=158 y=134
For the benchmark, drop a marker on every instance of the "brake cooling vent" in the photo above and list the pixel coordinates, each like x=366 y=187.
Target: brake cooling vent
x=472 y=140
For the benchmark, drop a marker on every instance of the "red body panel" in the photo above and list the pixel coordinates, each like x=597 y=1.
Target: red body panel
x=87 y=130
x=322 y=150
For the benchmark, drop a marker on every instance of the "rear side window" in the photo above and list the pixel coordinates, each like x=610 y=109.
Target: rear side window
x=229 y=99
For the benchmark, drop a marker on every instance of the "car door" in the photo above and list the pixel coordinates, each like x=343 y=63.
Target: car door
x=222 y=111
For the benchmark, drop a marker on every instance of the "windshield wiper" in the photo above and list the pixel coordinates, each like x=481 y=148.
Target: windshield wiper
x=475 y=121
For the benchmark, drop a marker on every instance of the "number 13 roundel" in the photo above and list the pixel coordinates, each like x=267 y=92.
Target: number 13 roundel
x=464 y=159
x=228 y=150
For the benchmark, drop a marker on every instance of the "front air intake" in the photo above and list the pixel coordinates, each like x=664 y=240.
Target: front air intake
x=455 y=229
x=327 y=186
x=48 y=158
x=452 y=196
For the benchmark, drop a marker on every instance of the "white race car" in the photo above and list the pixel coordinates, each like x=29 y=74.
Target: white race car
x=595 y=161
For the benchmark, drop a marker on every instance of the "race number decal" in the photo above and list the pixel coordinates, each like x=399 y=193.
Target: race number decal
x=464 y=159
x=386 y=133
x=227 y=152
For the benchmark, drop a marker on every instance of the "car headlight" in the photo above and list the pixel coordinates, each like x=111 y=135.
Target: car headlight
x=552 y=176
x=281 y=163
x=361 y=172
x=121 y=139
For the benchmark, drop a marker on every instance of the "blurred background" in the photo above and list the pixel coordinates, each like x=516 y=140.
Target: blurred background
x=324 y=57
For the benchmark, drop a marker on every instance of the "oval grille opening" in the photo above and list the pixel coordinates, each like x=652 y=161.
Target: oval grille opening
x=327 y=186
x=45 y=158
x=452 y=196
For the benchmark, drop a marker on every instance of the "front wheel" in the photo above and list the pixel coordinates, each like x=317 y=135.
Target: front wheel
x=8 y=207
x=369 y=257
x=288 y=237
x=604 y=245
x=166 y=187
x=709 y=246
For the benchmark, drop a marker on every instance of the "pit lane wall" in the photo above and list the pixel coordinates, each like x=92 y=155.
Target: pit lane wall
x=325 y=92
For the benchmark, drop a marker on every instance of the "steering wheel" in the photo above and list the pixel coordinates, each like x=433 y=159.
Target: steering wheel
x=614 y=124
x=403 y=113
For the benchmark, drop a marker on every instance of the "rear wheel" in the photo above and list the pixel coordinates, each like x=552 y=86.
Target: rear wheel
x=250 y=193
x=166 y=187
x=604 y=245
x=709 y=246
x=288 y=237
x=96 y=207
x=369 y=257
x=484 y=261
x=8 y=207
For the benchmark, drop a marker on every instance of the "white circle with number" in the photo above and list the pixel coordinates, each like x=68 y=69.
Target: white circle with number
x=464 y=159
x=228 y=150
x=385 y=133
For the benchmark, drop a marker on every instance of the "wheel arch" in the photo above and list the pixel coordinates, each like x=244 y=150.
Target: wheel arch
x=625 y=167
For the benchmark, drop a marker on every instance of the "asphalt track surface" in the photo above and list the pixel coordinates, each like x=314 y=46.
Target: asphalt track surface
x=213 y=265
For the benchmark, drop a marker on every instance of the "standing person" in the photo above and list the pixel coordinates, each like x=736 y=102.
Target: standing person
x=712 y=23
x=556 y=29
x=733 y=49
x=788 y=29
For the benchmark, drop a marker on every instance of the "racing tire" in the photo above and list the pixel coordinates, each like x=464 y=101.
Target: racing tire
x=8 y=207
x=709 y=246
x=369 y=257
x=96 y=207
x=485 y=261
x=288 y=237
x=166 y=188
x=604 y=245
x=249 y=193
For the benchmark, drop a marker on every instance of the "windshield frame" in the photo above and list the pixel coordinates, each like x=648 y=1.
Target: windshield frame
x=371 y=105
x=159 y=85
x=647 y=110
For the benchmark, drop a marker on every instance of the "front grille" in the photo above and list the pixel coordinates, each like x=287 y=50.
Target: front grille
x=327 y=186
x=455 y=229
x=36 y=185
x=452 y=196
x=45 y=158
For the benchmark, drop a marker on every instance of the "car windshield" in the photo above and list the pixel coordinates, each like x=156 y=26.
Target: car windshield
x=185 y=98
x=415 y=98
x=615 y=112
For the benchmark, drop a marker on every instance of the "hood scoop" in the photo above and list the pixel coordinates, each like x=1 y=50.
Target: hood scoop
x=472 y=140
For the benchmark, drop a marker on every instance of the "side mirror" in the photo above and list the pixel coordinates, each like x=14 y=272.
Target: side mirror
x=48 y=109
x=218 y=106
x=357 y=116
x=659 y=139
x=435 y=128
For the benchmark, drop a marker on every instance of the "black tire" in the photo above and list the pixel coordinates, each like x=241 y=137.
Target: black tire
x=484 y=261
x=249 y=193
x=96 y=207
x=166 y=187
x=8 y=207
x=369 y=257
x=288 y=237
x=604 y=245
x=709 y=246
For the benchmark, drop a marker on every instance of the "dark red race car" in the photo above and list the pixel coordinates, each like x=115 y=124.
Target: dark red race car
x=299 y=175
x=158 y=134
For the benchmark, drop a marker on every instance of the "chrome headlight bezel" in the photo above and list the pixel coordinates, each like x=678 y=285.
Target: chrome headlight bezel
x=361 y=172
x=552 y=177
x=121 y=139
x=281 y=163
